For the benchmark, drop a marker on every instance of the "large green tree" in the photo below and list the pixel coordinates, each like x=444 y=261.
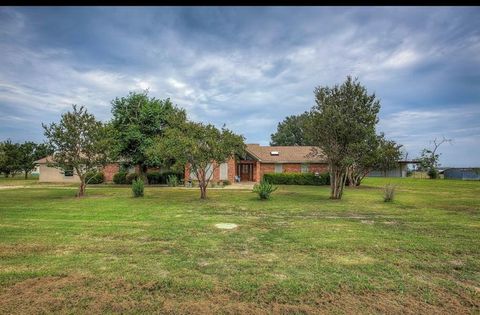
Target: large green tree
x=291 y=131
x=200 y=147
x=342 y=119
x=80 y=142
x=137 y=120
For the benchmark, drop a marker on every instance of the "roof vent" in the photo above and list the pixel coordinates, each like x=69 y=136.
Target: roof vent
x=274 y=153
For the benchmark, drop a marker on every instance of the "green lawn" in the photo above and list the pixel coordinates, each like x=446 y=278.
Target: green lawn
x=18 y=180
x=296 y=253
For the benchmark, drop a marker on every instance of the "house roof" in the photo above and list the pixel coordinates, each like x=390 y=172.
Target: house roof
x=286 y=154
x=49 y=159
x=44 y=160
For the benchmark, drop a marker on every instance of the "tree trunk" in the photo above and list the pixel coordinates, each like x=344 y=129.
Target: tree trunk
x=203 y=191
x=142 y=169
x=337 y=182
x=353 y=177
x=353 y=181
x=81 y=189
x=26 y=175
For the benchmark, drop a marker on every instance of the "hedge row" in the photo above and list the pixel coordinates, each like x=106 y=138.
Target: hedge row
x=161 y=178
x=297 y=179
x=153 y=178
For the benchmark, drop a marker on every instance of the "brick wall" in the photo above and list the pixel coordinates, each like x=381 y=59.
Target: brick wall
x=266 y=168
x=256 y=172
x=216 y=172
x=231 y=170
x=109 y=170
x=320 y=168
x=292 y=168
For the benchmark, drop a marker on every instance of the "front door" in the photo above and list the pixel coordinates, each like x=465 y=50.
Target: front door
x=246 y=172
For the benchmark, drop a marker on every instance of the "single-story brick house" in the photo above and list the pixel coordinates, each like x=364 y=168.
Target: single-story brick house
x=260 y=160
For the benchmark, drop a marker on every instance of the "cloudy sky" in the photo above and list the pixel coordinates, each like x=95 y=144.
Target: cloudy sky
x=247 y=67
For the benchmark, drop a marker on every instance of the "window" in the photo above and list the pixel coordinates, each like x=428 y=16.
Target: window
x=68 y=171
x=223 y=171
x=278 y=168
x=304 y=168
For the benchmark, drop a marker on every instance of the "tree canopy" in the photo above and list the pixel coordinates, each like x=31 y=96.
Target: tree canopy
x=9 y=158
x=343 y=118
x=200 y=147
x=376 y=152
x=80 y=142
x=389 y=152
x=137 y=120
x=291 y=131
x=29 y=152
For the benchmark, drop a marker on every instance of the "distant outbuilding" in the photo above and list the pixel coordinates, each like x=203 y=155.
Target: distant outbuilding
x=465 y=173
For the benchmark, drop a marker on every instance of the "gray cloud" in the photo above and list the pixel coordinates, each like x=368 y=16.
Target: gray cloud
x=247 y=67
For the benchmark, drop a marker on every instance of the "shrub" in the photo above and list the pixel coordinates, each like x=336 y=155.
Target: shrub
x=432 y=173
x=131 y=177
x=137 y=187
x=154 y=178
x=172 y=181
x=389 y=193
x=297 y=179
x=94 y=177
x=264 y=189
x=120 y=178
x=170 y=173
x=226 y=182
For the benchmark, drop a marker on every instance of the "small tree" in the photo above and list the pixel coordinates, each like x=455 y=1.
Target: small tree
x=3 y=157
x=201 y=147
x=429 y=157
x=343 y=118
x=374 y=153
x=80 y=142
x=27 y=157
x=389 y=152
x=363 y=160
x=29 y=152
x=9 y=158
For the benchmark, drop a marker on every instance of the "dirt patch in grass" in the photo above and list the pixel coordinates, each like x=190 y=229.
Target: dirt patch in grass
x=24 y=249
x=85 y=294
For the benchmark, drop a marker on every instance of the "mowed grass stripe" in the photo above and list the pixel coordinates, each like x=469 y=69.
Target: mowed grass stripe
x=299 y=249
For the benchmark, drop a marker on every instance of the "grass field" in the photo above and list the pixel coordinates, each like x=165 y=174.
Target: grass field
x=296 y=253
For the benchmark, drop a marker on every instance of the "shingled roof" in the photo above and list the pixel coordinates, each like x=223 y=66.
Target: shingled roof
x=286 y=154
x=44 y=160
